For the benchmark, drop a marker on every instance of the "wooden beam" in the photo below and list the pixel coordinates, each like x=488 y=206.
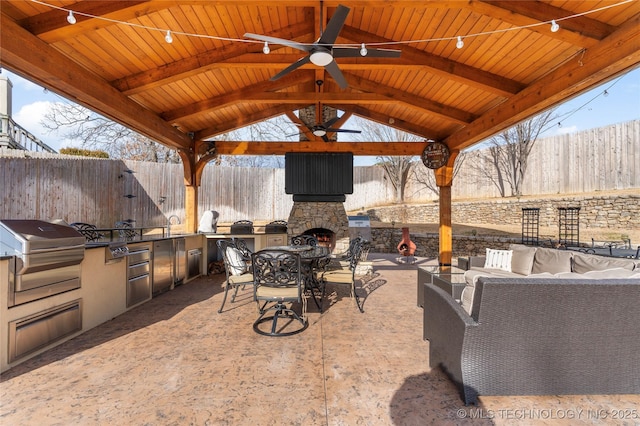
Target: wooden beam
x=393 y=94
x=197 y=64
x=395 y=122
x=251 y=93
x=246 y=120
x=35 y=60
x=357 y=148
x=52 y=26
x=614 y=55
x=580 y=31
x=449 y=69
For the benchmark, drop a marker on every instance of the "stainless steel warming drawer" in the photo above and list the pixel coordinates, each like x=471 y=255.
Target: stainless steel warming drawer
x=46 y=258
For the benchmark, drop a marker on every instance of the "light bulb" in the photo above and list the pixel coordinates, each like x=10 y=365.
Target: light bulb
x=460 y=43
x=168 y=37
x=554 y=26
x=265 y=48
x=363 y=50
x=70 y=18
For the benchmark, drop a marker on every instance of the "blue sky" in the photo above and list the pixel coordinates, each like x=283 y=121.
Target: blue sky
x=613 y=102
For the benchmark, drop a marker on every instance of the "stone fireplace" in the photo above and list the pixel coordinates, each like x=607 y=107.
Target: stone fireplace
x=317 y=217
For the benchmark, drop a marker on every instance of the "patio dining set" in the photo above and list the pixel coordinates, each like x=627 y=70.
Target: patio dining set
x=282 y=276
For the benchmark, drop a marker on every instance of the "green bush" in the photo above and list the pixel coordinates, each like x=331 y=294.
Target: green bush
x=84 y=152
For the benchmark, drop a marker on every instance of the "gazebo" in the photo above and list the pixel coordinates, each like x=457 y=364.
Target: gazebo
x=454 y=73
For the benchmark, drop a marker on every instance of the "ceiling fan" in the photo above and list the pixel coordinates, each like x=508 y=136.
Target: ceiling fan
x=322 y=53
x=321 y=130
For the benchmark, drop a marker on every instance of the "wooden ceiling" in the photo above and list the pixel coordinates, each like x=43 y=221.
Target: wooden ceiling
x=115 y=61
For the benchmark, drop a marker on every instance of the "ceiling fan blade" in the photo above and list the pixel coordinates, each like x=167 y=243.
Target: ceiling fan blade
x=330 y=122
x=282 y=41
x=337 y=75
x=325 y=138
x=293 y=66
x=353 y=52
x=334 y=26
x=343 y=131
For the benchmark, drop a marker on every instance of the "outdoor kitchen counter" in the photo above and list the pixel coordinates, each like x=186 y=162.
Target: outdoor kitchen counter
x=103 y=295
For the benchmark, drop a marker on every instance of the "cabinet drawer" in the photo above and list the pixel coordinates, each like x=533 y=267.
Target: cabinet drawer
x=138 y=269
x=138 y=256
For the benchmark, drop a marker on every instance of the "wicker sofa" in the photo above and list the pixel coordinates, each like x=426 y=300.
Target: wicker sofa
x=540 y=335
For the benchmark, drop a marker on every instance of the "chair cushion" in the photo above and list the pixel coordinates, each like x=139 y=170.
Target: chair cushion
x=237 y=265
x=522 y=258
x=280 y=293
x=498 y=259
x=551 y=260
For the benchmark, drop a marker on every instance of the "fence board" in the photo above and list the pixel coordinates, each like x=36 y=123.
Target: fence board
x=49 y=186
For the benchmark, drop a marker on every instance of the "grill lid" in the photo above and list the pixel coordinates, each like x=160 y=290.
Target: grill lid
x=27 y=236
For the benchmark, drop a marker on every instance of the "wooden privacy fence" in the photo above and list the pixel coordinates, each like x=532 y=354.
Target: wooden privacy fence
x=602 y=159
x=50 y=186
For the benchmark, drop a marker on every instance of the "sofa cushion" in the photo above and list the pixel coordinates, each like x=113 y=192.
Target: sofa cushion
x=471 y=278
x=582 y=263
x=522 y=258
x=498 y=259
x=551 y=260
x=610 y=273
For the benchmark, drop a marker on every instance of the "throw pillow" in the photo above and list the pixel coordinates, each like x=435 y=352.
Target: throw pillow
x=237 y=265
x=522 y=259
x=498 y=259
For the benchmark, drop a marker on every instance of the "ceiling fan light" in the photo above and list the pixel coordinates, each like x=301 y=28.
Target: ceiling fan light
x=321 y=58
x=319 y=132
x=363 y=50
x=70 y=18
x=265 y=48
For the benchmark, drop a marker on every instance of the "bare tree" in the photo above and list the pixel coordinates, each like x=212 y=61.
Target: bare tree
x=426 y=177
x=508 y=153
x=397 y=168
x=78 y=123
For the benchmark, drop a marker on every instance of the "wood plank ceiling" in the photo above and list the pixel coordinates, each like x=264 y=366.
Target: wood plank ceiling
x=211 y=79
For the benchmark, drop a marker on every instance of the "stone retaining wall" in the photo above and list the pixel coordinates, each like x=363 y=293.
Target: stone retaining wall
x=618 y=212
x=615 y=212
x=385 y=240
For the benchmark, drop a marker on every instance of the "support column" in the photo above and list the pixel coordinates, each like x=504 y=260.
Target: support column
x=191 y=208
x=444 y=180
x=446 y=237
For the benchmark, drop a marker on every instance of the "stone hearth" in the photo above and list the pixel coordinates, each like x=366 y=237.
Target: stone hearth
x=306 y=215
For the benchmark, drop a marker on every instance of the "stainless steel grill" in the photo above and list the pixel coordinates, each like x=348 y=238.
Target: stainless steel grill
x=46 y=258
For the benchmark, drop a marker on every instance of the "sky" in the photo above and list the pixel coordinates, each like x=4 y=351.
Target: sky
x=616 y=101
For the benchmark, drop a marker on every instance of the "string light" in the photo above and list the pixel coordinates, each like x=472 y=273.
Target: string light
x=265 y=48
x=363 y=50
x=459 y=44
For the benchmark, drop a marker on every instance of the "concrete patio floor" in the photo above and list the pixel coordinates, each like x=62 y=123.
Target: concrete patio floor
x=176 y=361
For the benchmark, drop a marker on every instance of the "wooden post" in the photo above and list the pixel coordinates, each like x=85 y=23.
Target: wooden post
x=191 y=208
x=446 y=237
x=444 y=180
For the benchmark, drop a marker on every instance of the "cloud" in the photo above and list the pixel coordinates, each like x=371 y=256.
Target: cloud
x=567 y=130
x=29 y=118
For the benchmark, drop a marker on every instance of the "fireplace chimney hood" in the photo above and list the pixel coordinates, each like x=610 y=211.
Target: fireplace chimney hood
x=324 y=177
